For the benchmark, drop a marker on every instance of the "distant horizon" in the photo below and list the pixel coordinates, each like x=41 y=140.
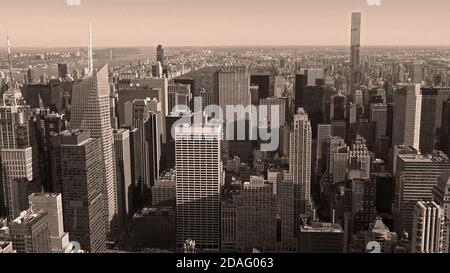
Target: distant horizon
x=3 y=48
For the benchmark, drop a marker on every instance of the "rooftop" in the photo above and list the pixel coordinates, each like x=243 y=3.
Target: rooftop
x=321 y=227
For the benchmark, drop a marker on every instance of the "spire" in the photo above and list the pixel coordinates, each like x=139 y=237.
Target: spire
x=90 y=54
x=9 y=56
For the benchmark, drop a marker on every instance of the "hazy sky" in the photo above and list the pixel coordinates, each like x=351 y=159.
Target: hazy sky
x=53 y=23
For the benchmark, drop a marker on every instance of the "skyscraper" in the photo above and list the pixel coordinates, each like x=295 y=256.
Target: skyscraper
x=232 y=84
x=286 y=207
x=441 y=195
x=146 y=117
x=303 y=79
x=355 y=46
x=415 y=178
x=359 y=159
x=29 y=232
x=160 y=54
x=83 y=187
x=407 y=115
x=52 y=204
x=16 y=148
x=431 y=116
x=378 y=117
x=428 y=228
x=300 y=161
x=179 y=96
x=444 y=141
x=199 y=179
x=91 y=112
x=62 y=71
x=123 y=170
x=256 y=216
x=321 y=237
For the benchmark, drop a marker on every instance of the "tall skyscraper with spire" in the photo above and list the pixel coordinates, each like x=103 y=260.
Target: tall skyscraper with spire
x=16 y=147
x=300 y=162
x=9 y=57
x=91 y=112
x=355 y=45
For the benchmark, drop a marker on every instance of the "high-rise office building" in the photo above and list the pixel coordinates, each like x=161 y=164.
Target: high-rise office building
x=337 y=107
x=155 y=228
x=164 y=191
x=52 y=204
x=282 y=104
x=407 y=115
x=160 y=54
x=417 y=74
x=152 y=88
x=378 y=118
x=359 y=159
x=336 y=145
x=319 y=237
x=363 y=203
x=300 y=161
x=16 y=150
x=444 y=141
x=232 y=84
x=262 y=80
x=428 y=228
x=433 y=99
x=303 y=79
x=441 y=195
x=146 y=117
x=285 y=211
x=415 y=178
x=198 y=151
x=179 y=97
x=29 y=232
x=355 y=46
x=62 y=71
x=49 y=95
x=323 y=133
x=188 y=81
x=83 y=186
x=256 y=223
x=123 y=170
x=339 y=163
x=90 y=111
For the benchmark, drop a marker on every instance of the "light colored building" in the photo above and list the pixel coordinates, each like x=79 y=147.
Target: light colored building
x=359 y=158
x=415 y=178
x=90 y=111
x=164 y=191
x=428 y=228
x=441 y=195
x=355 y=46
x=319 y=237
x=407 y=115
x=16 y=149
x=52 y=204
x=29 y=233
x=300 y=160
x=199 y=178
x=232 y=84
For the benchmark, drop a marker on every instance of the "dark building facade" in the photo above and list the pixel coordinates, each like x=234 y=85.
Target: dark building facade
x=82 y=179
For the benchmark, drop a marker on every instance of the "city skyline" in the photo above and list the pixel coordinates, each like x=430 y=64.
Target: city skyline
x=168 y=150
x=237 y=24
